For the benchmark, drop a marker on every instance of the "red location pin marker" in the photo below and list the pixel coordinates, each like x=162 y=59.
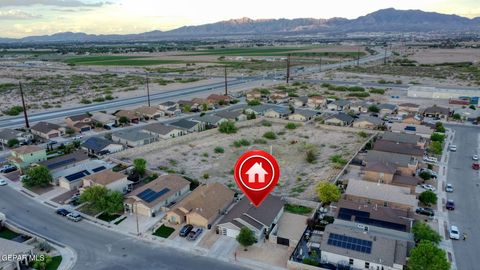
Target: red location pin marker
x=256 y=174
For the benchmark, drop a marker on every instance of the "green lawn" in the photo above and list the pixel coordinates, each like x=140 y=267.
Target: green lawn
x=55 y=263
x=119 y=61
x=164 y=231
x=298 y=209
x=107 y=217
x=8 y=234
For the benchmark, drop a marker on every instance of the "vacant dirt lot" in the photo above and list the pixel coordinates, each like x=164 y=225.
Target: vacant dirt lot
x=202 y=158
x=436 y=56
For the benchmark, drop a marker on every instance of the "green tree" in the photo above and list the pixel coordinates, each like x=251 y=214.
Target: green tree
x=38 y=176
x=204 y=107
x=422 y=231
x=328 y=192
x=270 y=135
x=41 y=264
x=12 y=142
x=437 y=137
x=373 y=108
x=69 y=131
x=227 y=127
x=251 y=116
x=425 y=175
x=246 y=238
x=123 y=120
x=140 y=165
x=439 y=127
x=435 y=148
x=472 y=107
x=457 y=116
x=428 y=197
x=187 y=108
x=101 y=199
x=427 y=256
x=254 y=102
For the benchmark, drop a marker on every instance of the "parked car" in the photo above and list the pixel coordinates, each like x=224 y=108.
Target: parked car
x=51 y=142
x=475 y=157
x=453 y=148
x=8 y=168
x=450 y=205
x=430 y=159
x=62 y=212
x=193 y=235
x=74 y=217
x=77 y=137
x=3 y=182
x=185 y=230
x=454 y=233
x=449 y=188
x=428 y=187
x=425 y=211
x=476 y=166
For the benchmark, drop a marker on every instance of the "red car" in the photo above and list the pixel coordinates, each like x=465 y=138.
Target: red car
x=476 y=166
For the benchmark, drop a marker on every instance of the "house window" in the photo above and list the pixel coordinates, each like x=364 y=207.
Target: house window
x=350 y=261
x=385 y=204
x=367 y=265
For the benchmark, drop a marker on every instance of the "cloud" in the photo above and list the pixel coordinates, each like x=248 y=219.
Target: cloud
x=17 y=15
x=58 y=3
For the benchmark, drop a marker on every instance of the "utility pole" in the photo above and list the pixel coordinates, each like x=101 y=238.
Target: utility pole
x=27 y=125
x=226 y=84
x=358 y=57
x=148 y=89
x=136 y=217
x=320 y=69
x=385 y=57
x=288 y=68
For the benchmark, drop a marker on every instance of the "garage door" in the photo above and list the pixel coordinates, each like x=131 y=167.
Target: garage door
x=232 y=233
x=85 y=129
x=283 y=241
x=53 y=135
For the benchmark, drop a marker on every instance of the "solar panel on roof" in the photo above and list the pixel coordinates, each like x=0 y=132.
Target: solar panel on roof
x=101 y=168
x=78 y=175
x=61 y=163
x=149 y=195
x=350 y=243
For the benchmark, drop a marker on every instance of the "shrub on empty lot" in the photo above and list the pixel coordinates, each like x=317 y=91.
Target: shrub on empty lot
x=291 y=126
x=219 y=150
x=266 y=123
x=227 y=127
x=254 y=102
x=15 y=110
x=240 y=143
x=270 y=135
x=338 y=159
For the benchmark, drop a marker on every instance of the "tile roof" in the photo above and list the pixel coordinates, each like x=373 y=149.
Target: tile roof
x=8 y=134
x=45 y=127
x=371 y=119
x=103 y=117
x=342 y=117
x=398 y=147
x=380 y=166
x=405 y=180
x=173 y=182
x=208 y=118
x=387 y=106
x=306 y=113
x=437 y=109
x=398 y=160
x=105 y=177
x=10 y=247
x=147 y=110
x=27 y=149
x=126 y=113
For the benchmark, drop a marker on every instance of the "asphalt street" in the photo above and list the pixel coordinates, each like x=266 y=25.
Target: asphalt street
x=466 y=182
x=98 y=248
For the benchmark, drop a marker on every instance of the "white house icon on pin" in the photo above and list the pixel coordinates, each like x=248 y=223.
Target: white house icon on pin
x=255 y=170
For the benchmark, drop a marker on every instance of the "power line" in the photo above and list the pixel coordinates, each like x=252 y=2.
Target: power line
x=27 y=124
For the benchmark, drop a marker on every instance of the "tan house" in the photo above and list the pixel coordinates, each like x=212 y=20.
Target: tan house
x=405 y=164
x=302 y=115
x=279 y=97
x=254 y=94
x=366 y=192
x=218 y=99
x=408 y=108
x=157 y=195
x=420 y=130
x=316 y=102
x=386 y=173
x=80 y=122
x=404 y=138
x=203 y=206
x=368 y=122
x=163 y=131
x=130 y=115
x=47 y=130
x=115 y=181
x=23 y=254
x=148 y=113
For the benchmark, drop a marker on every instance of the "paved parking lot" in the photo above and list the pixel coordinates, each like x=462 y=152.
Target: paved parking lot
x=466 y=182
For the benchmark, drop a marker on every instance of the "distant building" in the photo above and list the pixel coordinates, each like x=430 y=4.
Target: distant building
x=421 y=130
x=163 y=131
x=302 y=115
x=339 y=119
x=148 y=113
x=437 y=112
x=232 y=115
x=188 y=125
x=441 y=93
x=100 y=146
x=131 y=116
x=368 y=122
x=133 y=137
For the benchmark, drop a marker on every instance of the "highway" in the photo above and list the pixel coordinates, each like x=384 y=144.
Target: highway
x=119 y=103
x=98 y=248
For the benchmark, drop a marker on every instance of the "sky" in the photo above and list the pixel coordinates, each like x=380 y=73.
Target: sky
x=20 y=18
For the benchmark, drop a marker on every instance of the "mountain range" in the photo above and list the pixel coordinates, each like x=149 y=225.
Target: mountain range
x=385 y=20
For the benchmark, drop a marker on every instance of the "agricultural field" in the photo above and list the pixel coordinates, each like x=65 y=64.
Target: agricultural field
x=119 y=61
x=307 y=154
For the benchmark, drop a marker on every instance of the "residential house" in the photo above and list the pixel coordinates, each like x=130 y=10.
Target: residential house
x=80 y=122
x=260 y=109
x=277 y=112
x=104 y=119
x=133 y=137
x=131 y=116
x=203 y=104
x=8 y=134
x=339 y=105
x=437 y=112
x=408 y=108
x=66 y=161
x=360 y=106
x=163 y=131
x=468 y=114
x=279 y=97
x=339 y=119
x=156 y=195
x=316 y=102
x=421 y=130
x=203 y=206
x=302 y=115
x=218 y=99
x=188 y=125
x=15 y=255
x=209 y=121
x=407 y=165
x=300 y=101
x=147 y=113
x=254 y=95
x=23 y=156
x=368 y=122
x=192 y=106
x=98 y=146
x=399 y=148
x=374 y=215
x=164 y=106
x=386 y=173
x=404 y=138
x=72 y=178
x=109 y=179
x=237 y=115
x=47 y=130
x=260 y=220
x=386 y=109
x=347 y=245
x=366 y=192
x=412 y=119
